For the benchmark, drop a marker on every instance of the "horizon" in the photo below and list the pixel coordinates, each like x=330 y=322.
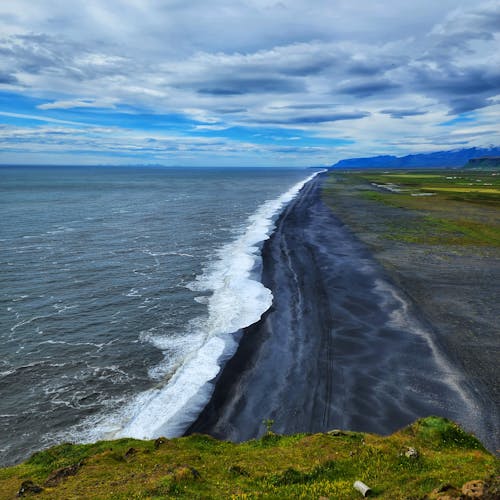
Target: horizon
x=271 y=167
x=244 y=84
x=150 y=165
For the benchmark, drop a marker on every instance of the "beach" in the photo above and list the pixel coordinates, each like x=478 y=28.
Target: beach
x=344 y=344
x=112 y=279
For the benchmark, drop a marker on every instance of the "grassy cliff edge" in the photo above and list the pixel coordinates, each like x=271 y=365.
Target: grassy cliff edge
x=429 y=459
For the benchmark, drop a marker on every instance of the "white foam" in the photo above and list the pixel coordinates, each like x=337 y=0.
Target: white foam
x=237 y=300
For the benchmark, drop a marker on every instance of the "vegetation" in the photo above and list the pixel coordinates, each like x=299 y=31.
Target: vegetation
x=451 y=207
x=423 y=457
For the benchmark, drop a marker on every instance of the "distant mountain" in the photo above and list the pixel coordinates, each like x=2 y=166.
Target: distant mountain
x=484 y=162
x=453 y=158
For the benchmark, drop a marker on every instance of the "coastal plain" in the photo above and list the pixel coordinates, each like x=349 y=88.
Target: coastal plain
x=437 y=235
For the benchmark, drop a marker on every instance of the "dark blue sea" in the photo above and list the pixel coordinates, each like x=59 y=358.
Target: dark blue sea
x=121 y=292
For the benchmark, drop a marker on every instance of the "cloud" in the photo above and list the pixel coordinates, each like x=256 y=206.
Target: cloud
x=366 y=88
x=46 y=119
x=247 y=85
x=77 y=103
x=316 y=118
x=466 y=24
x=463 y=88
x=402 y=113
x=302 y=106
x=6 y=79
x=364 y=72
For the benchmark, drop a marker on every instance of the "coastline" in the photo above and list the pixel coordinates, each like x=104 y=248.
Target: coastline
x=341 y=346
x=84 y=365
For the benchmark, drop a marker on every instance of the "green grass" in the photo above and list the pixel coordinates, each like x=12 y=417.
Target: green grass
x=457 y=189
x=413 y=176
x=439 y=180
x=434 y=231
x=299 y=466
x=462 y=210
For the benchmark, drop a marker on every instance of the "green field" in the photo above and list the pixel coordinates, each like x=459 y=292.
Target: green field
x=300 y=466
x=451 y=207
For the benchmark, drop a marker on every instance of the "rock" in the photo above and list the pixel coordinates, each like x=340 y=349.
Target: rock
x=130 y=452
x=185 y=473
x=28 y=487
x=336 y=432
x=445 y=492
x=411 y=453
x=474 y=489
x=159 y=442
x=60 y=474
x=445 y=487
x=493 y=488
x=238 y=470
x=453 y=495
x=195 y=473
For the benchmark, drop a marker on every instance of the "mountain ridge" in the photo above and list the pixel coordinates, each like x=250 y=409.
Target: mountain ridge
x=450 y=158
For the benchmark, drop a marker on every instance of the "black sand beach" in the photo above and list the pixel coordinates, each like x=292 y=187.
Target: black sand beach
x=341 y=347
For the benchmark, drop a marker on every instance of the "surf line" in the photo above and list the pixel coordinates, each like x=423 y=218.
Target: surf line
x=238 y=299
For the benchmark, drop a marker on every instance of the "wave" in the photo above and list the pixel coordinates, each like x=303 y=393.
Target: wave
x=236 y=299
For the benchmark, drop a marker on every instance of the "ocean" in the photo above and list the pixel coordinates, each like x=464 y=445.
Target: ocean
x=122 y=291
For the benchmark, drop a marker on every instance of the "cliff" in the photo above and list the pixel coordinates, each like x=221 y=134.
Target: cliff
x=429 y=459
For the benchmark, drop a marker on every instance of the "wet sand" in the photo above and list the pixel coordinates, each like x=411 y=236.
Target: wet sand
x=341 y=347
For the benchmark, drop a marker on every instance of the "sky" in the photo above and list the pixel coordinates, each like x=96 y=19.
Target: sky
x=245 y=83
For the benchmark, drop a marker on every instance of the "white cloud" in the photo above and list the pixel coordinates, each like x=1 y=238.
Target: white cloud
x=321 y=69
x=46 y=119
x=79 y=103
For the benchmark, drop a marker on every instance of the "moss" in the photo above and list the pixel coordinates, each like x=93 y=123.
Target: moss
x=299 y=466
x=442 y=433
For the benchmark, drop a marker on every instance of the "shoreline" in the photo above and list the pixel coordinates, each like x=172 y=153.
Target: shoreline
x=341 y=346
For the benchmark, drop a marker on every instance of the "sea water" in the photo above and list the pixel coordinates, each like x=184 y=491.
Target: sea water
x=122 y=292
